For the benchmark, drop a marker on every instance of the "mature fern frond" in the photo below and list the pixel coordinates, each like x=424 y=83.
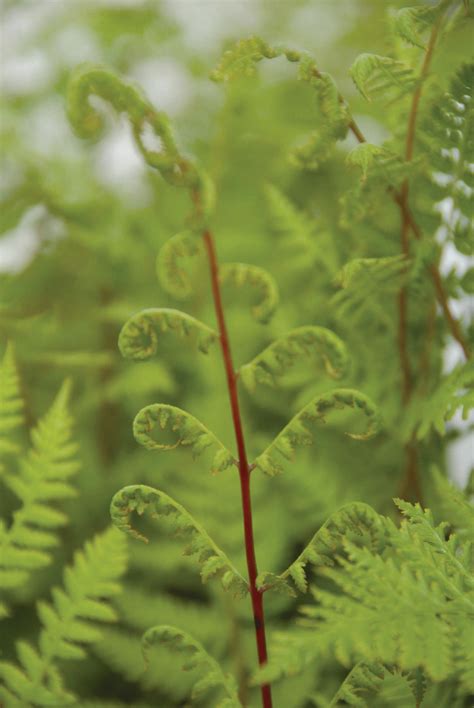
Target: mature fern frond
x=286 y=219
x=11 y=403
x=297 y=433
x=453 y=504
x=191 y=433
x=374 y=75
x=241 y=60
x=171 y=273
x=195 y=657
x=214 y=562
x=281 y=354
x=68 y=624
x=242 y=275
x=92 y=80
x=139 y=336
x=355 y=521
x=362 y=679
x=455 y=391
x=43 y=480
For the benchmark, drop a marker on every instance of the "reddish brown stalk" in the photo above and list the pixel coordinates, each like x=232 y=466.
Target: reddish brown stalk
x=244 y=468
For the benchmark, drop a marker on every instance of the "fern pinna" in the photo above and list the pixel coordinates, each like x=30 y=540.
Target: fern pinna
x=140 y=340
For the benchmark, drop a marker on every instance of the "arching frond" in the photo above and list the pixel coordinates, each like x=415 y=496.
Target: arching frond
x=139 y=336
x=355 y=521
x=211 y=676
x=190 y=433
x=281 y=355
x=297 y=433
x=213 y=561
x=412 y=22
x=242 y=275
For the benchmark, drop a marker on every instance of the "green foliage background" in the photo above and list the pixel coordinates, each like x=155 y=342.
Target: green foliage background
x=98 y=232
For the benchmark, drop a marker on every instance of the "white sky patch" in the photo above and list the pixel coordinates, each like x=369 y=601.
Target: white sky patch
x=166 y=82
x=19 y=246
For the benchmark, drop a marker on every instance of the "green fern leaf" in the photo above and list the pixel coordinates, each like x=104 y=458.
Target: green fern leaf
x=11 y=403
x=279 y=356
x=171 y=273
x=243 y=275
x=411 y=22
x=191 y=433
x=374 y=75
x=362 y=681
x=296 y=433
x=195 y=657
x=355 y=520
x=213 y=561
x=139 y=336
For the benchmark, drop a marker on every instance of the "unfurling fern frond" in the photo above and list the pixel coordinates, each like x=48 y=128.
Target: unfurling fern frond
x=374 y=75
x=297 y=433
x=42 y=481
x=380 y=163
x=243 y=275
x=171 y=273
x=355 y=521
x=411 y=22
x=68 y=624
x=190 y=432
x=139 y=336
x=335 y=119
x=281 y=354
x=11 y=403
x=211 y=676
x=213 y=561
x=147 y=123
x=456 y=391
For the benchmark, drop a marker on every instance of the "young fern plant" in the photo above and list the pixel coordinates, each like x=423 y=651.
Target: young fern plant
x=140 y=340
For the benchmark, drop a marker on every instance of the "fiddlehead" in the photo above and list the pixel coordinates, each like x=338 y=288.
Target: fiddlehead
x=243 y=275
x=171 y=273
x=190 y=432
x=297 y=433
x=281 y=354
x=214 y=562
x=139 y=336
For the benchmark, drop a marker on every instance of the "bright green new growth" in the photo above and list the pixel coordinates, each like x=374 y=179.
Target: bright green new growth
x=355 y=521
x=195 y=657
x=280 y=355
x=192 y=433
x=296 y=433
x=139 y=337
x=377 y=76
x=11 y=403
x=248 y=276
x=42 y=481
x=70 y=623
x=213 y=561
x=171 y=274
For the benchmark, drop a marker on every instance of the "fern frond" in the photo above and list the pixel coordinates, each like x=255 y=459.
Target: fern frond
x=281 y=354
x=355 y=521
x=43 y=480
x=380 y=163
x=455 y=391
x=240 y=60
x=191 y=433
x=454 y=506
x=195 y=657
x=92 y=80
x=69 y=623
x=286 y=219
x=171 y=273
x=139 y=336
x=213 y=561
x=411 y=22
x=363 y=679
x=297 y=433
x=11 y=403
x=242 y=275
x=374 y=75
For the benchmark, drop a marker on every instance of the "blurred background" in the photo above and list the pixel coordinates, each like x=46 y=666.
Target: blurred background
x=80 y=227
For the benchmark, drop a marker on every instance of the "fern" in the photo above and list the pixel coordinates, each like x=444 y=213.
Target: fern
x=172 y=275
x=11 y=403
x=43 y=480
x=68 y=624
x=281 y=354
x=296 y=433
x=195 y=657
x=192 y=433
x=214 y=562
x=375 y=75
x=139 y=337
x=351 y=521
x=242 y=275
x=411 y=22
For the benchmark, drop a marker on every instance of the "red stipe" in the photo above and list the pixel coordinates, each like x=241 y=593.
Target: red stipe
x=244 y=468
